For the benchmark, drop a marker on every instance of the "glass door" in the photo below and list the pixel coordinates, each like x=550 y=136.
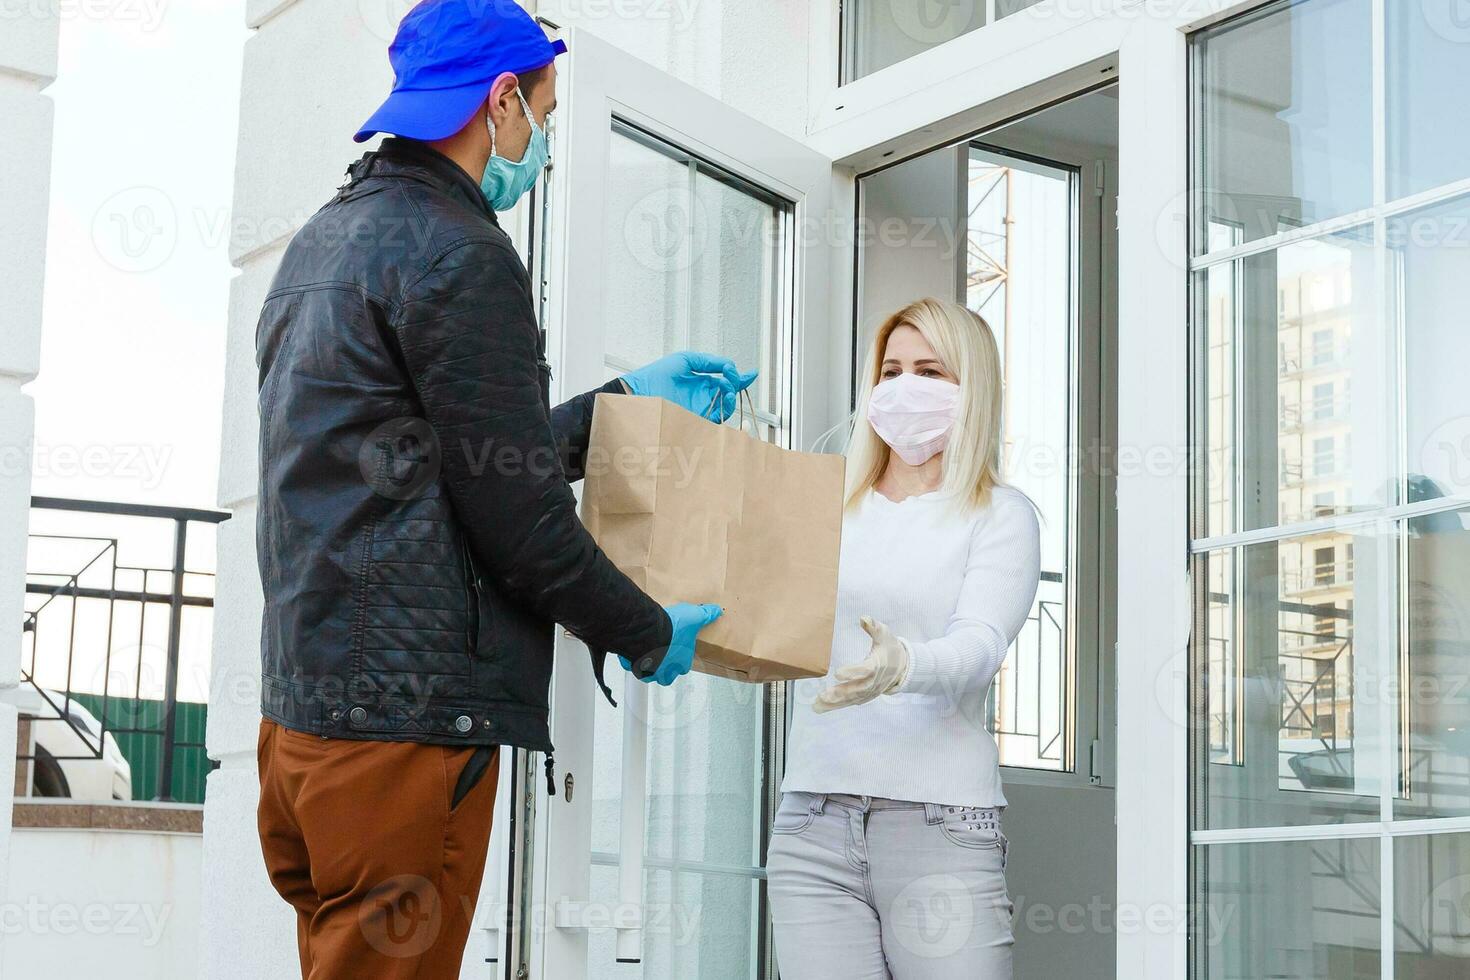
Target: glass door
x=673 y=224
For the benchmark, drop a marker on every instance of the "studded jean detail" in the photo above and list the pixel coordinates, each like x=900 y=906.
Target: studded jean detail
x=872 y=889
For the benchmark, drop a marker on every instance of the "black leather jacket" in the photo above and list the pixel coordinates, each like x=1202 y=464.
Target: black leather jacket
x=417 y=535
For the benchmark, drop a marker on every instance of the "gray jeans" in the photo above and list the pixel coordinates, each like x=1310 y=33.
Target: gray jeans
x=867 y=889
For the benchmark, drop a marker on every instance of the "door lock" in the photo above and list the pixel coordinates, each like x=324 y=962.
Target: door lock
x=569 y=787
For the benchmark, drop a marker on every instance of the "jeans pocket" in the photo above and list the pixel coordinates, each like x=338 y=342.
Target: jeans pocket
x=794 y=815
x=974 y=827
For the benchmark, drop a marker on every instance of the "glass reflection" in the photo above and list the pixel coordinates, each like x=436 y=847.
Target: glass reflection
x=1293 y=909
x=1294 y=385
x=879 y=33
x=1431 y=907
x=1435 y=700
x=1286 y=116
x=1287 y=650
x=1429 y=253
x=1428 y=134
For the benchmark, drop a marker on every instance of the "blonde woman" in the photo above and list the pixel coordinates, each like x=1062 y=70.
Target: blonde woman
x=887 y=857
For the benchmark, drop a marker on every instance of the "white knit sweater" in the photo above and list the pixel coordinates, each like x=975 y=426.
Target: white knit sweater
x=957 y=587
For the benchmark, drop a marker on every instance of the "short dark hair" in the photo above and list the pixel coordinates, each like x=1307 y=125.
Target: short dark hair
x=531 y=80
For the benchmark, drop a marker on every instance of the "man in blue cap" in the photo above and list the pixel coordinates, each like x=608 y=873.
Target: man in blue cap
x=417 y=535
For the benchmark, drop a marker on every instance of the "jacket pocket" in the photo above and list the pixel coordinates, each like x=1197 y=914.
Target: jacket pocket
x=472 y=600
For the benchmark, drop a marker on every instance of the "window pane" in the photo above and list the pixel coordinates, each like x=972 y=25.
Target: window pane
x=1435 y=701
x=1431 y=258
x=735 y=283
x=1292 y=909
x=650 y=231
x=1285 y=741
x=1219 y=659
x=1428 y=58
x=695 y=925
x=694 y=261
x=1294 y=393
x=705 y=754
x=1219 y=308
x=1286 y=116
x=1431 y=889
x=879 y=33
x=1018 y=274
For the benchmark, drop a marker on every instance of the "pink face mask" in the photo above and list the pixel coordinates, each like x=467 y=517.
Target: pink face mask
x=914 y=415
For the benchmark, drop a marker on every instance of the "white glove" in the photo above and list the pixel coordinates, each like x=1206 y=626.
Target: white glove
x=882 y=673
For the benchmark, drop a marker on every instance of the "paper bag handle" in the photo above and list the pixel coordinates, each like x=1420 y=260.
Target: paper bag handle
x=744 y=403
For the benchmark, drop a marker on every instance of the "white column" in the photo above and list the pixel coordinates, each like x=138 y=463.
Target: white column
x=301 y=100
x=1153 y=595
x=27 y=65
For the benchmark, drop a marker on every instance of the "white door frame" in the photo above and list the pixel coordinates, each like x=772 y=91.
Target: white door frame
x=976 y=82
x=598 y=84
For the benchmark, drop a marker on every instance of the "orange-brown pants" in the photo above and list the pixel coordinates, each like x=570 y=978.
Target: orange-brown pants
x=365 y=841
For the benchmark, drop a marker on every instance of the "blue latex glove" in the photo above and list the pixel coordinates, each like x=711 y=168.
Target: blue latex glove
x=702 y=383
x=687 y=619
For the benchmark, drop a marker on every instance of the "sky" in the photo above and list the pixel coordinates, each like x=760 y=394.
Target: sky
x=137 y=276
x=129 y=396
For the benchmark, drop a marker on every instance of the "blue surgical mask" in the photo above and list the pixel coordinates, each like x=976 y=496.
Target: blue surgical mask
x=506 y=180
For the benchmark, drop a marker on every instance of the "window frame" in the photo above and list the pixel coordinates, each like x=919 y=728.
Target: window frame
x=1088 y=759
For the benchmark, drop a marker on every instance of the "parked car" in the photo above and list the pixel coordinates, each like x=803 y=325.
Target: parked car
x=67 y=762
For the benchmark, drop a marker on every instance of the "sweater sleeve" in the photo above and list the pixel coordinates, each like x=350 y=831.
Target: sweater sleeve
x=1001 y=578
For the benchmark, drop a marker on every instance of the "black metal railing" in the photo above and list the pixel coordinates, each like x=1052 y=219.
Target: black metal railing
x=97 y=579
x=1034 y=685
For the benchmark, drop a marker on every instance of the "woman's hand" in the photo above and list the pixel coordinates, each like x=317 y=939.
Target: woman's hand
x=882 y=673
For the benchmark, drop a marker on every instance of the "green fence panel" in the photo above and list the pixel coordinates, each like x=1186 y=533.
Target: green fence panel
x=143 y=747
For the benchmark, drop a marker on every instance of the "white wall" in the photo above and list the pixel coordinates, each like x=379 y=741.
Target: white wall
x=98 y=903
x=312 y=73
x=27 y=65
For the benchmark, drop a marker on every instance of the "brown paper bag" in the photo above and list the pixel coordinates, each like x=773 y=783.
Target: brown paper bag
x=698 y=512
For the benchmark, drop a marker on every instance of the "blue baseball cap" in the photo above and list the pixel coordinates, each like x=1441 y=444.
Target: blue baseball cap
x=445 y=57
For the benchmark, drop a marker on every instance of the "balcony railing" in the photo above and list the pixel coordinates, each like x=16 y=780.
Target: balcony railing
x=1030 y=704
x=74 y=639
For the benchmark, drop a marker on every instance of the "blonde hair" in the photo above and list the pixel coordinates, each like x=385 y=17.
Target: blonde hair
x=962 y=341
